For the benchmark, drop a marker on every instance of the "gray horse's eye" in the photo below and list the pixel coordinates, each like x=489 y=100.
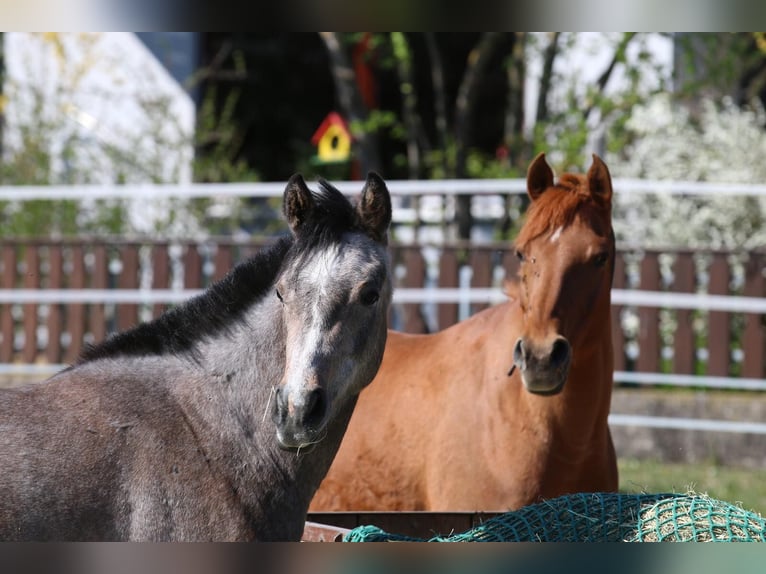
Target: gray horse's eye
x=279 y=295
x=369 y=296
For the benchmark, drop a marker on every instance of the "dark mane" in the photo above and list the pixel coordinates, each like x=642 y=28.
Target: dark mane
x=226 y=301
x=558 y=206
x=179 y=328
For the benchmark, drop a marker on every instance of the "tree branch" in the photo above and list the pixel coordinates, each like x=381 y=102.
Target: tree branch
x=619 y=56
x=547 y=77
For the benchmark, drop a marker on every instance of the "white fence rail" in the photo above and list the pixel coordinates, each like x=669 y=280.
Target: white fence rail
x=446 y=187
x=659 y=299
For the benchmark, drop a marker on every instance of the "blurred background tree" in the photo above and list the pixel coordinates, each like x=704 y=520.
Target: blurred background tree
x=419 y=105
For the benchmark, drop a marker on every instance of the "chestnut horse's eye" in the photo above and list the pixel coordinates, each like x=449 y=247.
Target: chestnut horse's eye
x=601 y=259
x=519 y=255
x=369 y=296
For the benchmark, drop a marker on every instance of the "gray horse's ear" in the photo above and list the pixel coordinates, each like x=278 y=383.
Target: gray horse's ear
x=539 y=176
x=374 y=207
x=298 y=203
x=600 y=181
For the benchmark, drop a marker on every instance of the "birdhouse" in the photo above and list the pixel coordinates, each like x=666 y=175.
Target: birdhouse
x=332 y=140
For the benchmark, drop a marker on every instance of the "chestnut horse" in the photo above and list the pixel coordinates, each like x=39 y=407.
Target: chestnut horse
x=445 y=426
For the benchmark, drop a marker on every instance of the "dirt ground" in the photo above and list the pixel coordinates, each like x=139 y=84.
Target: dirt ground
x=693 y=446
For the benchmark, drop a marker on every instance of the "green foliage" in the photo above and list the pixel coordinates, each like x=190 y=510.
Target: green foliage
x=49 y=149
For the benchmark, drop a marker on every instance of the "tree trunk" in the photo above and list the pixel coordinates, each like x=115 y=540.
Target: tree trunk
x=350 y=100
x=440 y=103
x=466 y=99
x=514 y=114
x=403 y=56
x=619 y=56
x=547 y=77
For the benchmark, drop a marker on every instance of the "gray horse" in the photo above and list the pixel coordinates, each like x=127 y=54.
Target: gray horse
x=219 y=419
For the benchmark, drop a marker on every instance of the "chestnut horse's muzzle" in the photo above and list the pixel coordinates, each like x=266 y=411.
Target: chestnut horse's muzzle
x=543 y=368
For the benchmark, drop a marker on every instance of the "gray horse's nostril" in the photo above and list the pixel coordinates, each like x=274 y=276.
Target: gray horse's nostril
x=279 y=412
x=560 y=352
x=316 y=406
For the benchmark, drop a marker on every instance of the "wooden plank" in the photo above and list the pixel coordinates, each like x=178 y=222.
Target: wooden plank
x=192 y=267
x=618 y=335
x=99 y=280
x=31 y=281
x=415 y=278
x=55 y=320
x=7 y=324
x=684 y=347
x=316 y=532
x=719 y=332
x=754 y=338
x=127 y=313
x=76 y=315
x=418 y=524
x=511 y=264
x=160 y=273
x=447 y=313
x=480 y=261
x=224 y=261
x=649 y=318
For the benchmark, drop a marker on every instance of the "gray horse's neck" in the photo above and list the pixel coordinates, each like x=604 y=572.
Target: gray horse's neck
x=241 y=369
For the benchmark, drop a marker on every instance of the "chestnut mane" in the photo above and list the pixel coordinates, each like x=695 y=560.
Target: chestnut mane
x=559 y=206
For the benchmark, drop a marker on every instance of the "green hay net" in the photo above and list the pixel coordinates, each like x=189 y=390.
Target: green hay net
x=606 y=517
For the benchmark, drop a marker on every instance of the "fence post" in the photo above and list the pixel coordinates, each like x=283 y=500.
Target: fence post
x=753 y=337
x=649 y=317
x=719 y=336
x=684 y=348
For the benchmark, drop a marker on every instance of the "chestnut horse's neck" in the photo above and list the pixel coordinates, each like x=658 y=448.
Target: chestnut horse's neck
x=582 y=406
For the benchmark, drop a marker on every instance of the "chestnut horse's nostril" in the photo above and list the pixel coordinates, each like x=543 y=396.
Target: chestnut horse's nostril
x=518 y=354
x=316 y=405
x=560 y=352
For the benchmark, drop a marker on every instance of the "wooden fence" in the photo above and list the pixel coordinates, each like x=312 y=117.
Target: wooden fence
x=647 y=339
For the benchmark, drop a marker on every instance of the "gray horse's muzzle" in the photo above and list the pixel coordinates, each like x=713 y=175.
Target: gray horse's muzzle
x=300 y=420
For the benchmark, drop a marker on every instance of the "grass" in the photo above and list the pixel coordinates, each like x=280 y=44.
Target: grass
x=743 y=487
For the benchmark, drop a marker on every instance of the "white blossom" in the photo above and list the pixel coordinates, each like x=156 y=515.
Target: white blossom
x=724 y=143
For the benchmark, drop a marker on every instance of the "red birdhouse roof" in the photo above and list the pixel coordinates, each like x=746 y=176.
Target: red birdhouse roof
x=333 y=118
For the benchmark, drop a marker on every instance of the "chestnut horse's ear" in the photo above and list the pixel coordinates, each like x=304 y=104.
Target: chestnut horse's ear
x=374 y=207
x=298 y=203
x=600 y=182
x=539 y=177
